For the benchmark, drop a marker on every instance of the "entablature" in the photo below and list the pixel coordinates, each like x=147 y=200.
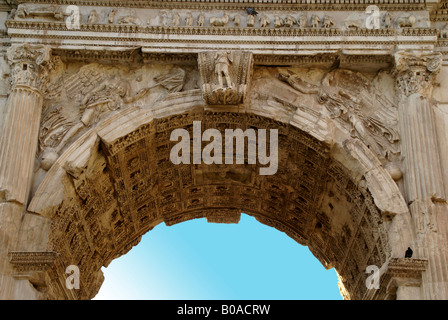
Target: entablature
x=283 y=32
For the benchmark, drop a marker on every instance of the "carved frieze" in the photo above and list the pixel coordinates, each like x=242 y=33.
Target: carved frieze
x=29 y=262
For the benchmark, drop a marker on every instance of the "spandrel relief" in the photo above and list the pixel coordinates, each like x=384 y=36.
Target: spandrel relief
x=81 y=98
x=352 y=98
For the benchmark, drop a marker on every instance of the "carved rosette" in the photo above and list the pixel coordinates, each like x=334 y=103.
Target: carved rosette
x=415 y=73
x=29 y=65
x=225 y=76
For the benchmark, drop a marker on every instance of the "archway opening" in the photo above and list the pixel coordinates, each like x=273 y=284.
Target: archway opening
x=199 y=260
x=109 y=192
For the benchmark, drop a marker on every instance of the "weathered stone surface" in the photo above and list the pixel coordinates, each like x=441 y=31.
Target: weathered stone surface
x=88 y=106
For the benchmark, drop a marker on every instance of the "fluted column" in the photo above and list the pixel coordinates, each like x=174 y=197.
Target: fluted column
x=423 y=180
x=18 y=144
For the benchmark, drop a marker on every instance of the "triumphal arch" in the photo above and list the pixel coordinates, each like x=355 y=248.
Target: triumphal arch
x=356 y=90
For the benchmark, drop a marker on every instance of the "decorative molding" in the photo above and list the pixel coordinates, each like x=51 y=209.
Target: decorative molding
x=29 y=64
x=399 y=272
x=122 y=56
x=304 y=5
x=214 y=30
x=415 y=72
x=261 y=43
x=441 y=13
x=403 y=272
x=30 y=262
x=407 y=268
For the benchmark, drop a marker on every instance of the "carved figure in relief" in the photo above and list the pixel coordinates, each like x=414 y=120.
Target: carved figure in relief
x=250 y=20
x=21 y=12
x=93 y=17
x=278 y=22
x=290 y=21
x=111 y=94
x=54 y=127
x=265 y=21
x=176 y=19
x=108 y=96
x=315 y=20
x=302 y=21
x=406 y=22
x=297 y=83
x=130 y=19
x=201 y=20
x=223 y=60
x=111 y=16
x=163 y=18
x=225 y=76
x=173 y=81
x=220 y=21
x=189 y=20
x=237 y=20
x=328 y=22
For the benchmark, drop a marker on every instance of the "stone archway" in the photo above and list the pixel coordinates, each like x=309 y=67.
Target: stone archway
x=116 y=182
x=362 y=108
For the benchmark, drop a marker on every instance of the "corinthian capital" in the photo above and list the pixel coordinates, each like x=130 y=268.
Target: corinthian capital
x=415 y=72
x=29 y=64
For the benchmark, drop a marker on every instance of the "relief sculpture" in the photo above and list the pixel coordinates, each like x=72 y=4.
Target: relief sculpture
x=350 y=97
x=223 y=60
x=225 y=76
x=92 y=93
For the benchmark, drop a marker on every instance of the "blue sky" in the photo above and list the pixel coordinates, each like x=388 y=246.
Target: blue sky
x=199 y=260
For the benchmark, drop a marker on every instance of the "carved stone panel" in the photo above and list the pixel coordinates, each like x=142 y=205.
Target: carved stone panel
x=225 y=76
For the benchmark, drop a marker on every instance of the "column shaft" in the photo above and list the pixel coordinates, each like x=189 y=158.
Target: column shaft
x=423 y=177
x=423 y=180
x=19 y=137
x=18 y=144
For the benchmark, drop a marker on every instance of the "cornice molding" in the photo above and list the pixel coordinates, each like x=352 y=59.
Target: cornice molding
x=230 y=31
x=178 y=43
x=136 y=56
x=281 y=5
x=31 y=261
